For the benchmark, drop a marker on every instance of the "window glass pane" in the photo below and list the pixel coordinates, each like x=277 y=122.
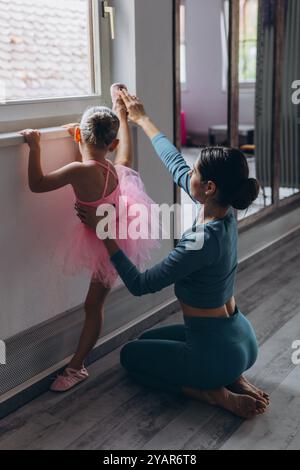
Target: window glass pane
x=248 y=40
x=183 y=63
x=44 y=48
x=183 y=42
x=182 y=23
x=256 y=106
x=290 y=105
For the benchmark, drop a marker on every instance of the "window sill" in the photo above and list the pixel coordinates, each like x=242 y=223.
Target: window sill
x=10 y=139
x=45 y=113
x=48 y=133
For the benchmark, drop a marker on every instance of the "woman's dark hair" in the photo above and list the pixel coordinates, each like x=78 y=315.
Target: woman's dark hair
x=228 y=169
x=99 y=126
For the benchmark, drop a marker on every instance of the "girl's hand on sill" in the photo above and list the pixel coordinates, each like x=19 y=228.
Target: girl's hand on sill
x=71 y=128
x=32 y=138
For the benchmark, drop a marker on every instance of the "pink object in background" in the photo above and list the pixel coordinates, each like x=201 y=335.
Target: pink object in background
x=183 y=129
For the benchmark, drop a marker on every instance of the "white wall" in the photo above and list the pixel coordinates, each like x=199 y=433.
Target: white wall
x=154 y=84
x=32 y=286
x=123 y=58
x=139 y=61
x=204 y=101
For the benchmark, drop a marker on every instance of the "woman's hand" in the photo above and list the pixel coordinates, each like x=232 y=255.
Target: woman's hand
x=137 y=114
x=134 y=106
x=32 y=138
x=87 y=216
x=71 y=127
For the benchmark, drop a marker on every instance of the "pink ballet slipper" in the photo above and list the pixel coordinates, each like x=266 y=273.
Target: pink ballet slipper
x=69 y=379
x=114 y=92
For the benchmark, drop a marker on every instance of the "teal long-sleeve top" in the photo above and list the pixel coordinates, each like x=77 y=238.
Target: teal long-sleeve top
x=203 y=265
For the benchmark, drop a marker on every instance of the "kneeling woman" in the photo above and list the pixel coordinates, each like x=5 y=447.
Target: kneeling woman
x=205 y=357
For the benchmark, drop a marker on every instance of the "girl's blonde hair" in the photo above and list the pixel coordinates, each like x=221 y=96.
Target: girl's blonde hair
x=99 y=126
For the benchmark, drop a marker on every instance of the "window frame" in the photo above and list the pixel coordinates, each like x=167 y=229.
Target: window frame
x=183 y=44
x=246 y=85
x=51 y=112
x=224 y=25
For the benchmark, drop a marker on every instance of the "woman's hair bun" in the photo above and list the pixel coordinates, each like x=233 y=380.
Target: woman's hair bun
x=245 y=194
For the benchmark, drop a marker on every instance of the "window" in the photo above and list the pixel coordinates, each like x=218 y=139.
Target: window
x=53 y=58
x=45 y=49
x=248 y=41
x=224 y=43
x=183 y=43
x=247 y=45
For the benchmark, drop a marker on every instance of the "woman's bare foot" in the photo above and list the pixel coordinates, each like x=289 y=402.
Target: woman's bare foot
x=243 y=387
x=243 y=406
x=261 y=392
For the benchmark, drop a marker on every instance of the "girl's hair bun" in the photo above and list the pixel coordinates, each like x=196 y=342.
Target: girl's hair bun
x=99 y=126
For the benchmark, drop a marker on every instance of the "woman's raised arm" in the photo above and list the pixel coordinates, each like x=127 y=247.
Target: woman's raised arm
x=166 y=151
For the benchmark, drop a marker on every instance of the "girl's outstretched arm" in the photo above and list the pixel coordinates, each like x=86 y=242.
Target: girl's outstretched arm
x=38 y=182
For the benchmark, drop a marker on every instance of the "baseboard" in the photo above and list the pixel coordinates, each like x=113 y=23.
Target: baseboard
x=268 y=234
x=267 y=248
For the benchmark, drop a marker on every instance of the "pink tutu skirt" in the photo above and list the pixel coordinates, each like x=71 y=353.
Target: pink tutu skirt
x=86 y=252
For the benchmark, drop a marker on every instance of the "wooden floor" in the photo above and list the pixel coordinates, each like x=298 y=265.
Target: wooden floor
x=111 y=412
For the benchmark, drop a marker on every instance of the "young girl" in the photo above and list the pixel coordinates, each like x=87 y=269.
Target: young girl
x=95 y=181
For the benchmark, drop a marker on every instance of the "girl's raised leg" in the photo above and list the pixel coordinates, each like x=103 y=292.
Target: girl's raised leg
x=124 y=152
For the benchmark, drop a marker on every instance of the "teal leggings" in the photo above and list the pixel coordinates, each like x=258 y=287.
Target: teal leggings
x=203 y=353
